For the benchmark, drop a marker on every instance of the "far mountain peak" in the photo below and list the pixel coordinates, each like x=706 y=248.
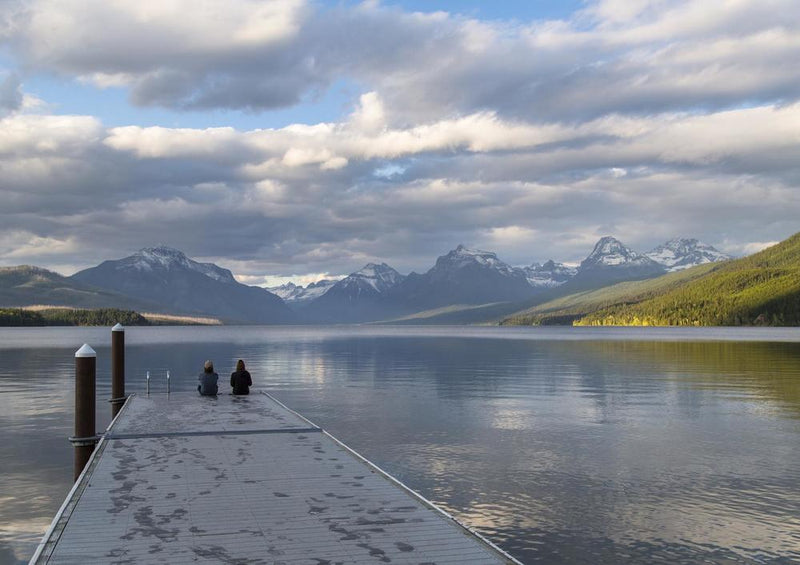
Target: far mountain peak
x=166 y=276
x=681 y=253
x=372 y=268
x=462 y=257
x=165 y=257
x=379 y=278
x=611 y=252
x=549 y=274
x=296 y=294
x=163 y=250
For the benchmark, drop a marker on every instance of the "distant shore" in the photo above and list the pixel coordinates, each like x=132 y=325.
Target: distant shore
x=43 y=315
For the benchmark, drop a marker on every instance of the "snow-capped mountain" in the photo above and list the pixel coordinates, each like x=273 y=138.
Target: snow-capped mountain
x=167 y=277
x=679 y=253
x=611 y=252
x=163 y=258
x=295 y=294
x=612 y=261
x=361 y=296
x=549 y=274
x=288 y=292
x=462 y=257
x=371 y=280
x=464 y=276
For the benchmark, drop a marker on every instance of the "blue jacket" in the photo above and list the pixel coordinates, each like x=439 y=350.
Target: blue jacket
x=208 y=384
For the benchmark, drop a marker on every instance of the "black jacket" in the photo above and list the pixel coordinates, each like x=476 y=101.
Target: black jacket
x=241 y=382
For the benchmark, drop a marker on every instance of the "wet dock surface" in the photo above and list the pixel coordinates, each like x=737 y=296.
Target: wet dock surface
x=189 y=479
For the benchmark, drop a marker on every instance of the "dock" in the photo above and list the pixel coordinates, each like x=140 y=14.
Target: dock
x=181 y=478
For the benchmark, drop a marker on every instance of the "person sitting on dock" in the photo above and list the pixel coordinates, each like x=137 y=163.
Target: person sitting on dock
x=240 y=379
x=208 y=380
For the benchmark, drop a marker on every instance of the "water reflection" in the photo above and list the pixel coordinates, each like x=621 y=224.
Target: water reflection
x=563 y=449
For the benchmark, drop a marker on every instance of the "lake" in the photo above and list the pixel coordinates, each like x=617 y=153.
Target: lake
x=562 y=445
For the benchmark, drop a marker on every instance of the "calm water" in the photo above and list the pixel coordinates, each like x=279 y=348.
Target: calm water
x=562 y=445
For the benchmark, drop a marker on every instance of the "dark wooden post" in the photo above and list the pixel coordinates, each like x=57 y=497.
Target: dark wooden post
x=117 y=369
x=85 y=437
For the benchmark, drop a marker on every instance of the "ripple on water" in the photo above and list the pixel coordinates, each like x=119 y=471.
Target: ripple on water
x=562 y=446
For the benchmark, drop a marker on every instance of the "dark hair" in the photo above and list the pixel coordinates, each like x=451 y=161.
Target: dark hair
x=240 y=365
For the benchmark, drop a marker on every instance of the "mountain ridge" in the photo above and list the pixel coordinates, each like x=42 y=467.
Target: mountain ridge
x=168 y=277
x=28 y=285
x=683 y=253
x=296 y=294
x=463 y=284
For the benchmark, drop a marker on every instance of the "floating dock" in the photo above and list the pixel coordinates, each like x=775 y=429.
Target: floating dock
x=182 y=478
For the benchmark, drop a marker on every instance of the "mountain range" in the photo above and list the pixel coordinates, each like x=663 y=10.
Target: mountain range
x=463 y=280
x=292 y=293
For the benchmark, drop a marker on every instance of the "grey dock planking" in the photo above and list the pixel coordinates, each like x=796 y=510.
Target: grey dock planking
x=190 y=479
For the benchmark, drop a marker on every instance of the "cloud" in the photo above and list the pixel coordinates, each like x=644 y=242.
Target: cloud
x=613 y=142
x=278 y=201
x=27 y=245
x=643 y=119
x=753 y=247
x=642 y=57
x=43 y=135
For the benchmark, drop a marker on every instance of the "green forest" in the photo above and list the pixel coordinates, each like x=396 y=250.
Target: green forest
x=566 y=309
x=70 y=317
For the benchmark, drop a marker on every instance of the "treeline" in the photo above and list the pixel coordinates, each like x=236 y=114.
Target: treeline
x=70 y=317
x=540 y=320
x=20 y=317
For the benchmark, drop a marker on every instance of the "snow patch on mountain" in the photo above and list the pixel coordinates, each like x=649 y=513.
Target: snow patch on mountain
x=462 y=257
x=379 y=278
x=166 y=258
x=681 y=253
x=294 y=293
x=611 y=252
x=549 y=274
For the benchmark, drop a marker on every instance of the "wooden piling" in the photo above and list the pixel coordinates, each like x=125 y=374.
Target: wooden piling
x=85 y=436
x=117 y=369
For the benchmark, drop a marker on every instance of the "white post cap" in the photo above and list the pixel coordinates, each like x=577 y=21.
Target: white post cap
x=118 y=328
x=85 y=351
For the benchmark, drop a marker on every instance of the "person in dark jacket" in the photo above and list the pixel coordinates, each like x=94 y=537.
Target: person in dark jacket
x=208 y=380
x=240 y=379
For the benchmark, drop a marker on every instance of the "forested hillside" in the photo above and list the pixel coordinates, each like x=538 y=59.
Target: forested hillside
x=567 y=309
x=762 y=289
x=26 y=285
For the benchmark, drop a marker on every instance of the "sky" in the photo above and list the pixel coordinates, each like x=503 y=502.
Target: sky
x=298 y=139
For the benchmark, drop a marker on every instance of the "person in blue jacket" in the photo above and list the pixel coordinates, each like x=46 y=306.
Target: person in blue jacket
x=208 y=380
